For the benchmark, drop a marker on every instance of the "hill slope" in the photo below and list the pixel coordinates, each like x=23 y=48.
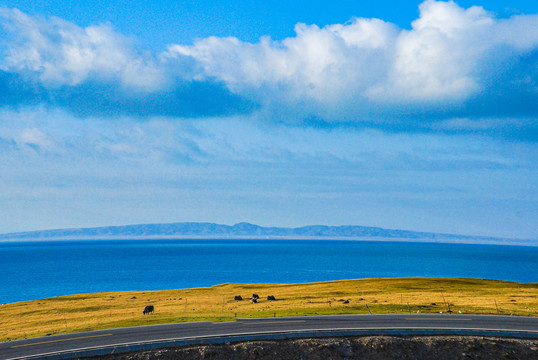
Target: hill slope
x=197 y=230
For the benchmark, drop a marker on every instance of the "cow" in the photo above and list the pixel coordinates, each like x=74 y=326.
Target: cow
x=255 y=296
x=238 y=298
x=148 y=310
x=271 y=298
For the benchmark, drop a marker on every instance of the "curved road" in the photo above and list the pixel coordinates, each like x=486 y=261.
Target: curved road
x=159 y=336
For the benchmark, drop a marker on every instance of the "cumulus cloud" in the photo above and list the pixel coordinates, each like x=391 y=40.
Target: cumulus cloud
x=438 y=58
x=62 y=53
x=448 y=56
x=317 y=69
x=453 y=62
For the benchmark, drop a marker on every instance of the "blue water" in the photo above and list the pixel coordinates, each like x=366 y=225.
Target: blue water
x=35 y=270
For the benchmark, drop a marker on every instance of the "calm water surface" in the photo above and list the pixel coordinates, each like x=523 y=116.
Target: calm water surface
x=34 y=270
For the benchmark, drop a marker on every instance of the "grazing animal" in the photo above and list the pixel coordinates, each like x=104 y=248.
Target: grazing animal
x=346 y=302
x=238 y=298
x=271 y=298
x=148 y=310
x=254 y=300
x=255 y=296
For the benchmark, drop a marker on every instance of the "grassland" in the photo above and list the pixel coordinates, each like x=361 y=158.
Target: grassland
x=377 y=296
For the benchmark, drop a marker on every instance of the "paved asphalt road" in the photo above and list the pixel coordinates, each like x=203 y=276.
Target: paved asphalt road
x=244 y=329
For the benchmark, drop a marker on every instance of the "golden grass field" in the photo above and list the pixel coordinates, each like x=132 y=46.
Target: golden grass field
x=82 y=312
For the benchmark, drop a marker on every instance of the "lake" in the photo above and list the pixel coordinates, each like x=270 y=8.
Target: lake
x=35 y=270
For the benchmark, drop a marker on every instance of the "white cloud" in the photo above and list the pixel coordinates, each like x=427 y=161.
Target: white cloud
x=445 y=53
x=326 y=65
x=520 y=32
x=363 y=69
x=439 y=57
x=35 y=137
x=446 y=56
x=65 y=54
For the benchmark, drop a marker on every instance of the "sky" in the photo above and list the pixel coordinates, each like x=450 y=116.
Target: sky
x=417 y=115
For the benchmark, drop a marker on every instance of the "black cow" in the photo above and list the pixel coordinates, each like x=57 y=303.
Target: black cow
x=271 y=298
x=255 y=296
x=148 y=310
x=238 y=298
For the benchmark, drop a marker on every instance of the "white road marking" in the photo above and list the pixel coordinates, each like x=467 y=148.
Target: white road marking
x=262 y=333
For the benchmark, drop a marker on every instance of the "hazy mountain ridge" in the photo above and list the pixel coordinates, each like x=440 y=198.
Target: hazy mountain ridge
x=246 y=230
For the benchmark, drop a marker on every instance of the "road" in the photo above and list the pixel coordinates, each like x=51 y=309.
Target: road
x=147 y=337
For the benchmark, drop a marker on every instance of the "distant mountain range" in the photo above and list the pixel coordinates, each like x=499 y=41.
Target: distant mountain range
x=195 y=230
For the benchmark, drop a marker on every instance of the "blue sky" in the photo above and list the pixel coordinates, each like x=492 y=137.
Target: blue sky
x=157 y=24
x=411 y=115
